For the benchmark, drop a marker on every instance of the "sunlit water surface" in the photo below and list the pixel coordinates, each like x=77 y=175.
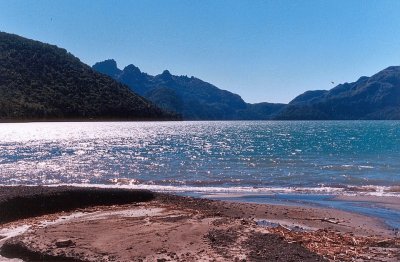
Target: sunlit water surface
x=206 y=156
x=257 y=161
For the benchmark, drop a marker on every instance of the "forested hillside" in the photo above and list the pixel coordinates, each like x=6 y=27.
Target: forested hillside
x=43 y=82
x=375 y=97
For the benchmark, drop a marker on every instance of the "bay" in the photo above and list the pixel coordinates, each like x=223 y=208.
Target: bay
x=209 y=156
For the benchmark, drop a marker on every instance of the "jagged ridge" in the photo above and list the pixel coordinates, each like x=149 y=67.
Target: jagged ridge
x=188 y=96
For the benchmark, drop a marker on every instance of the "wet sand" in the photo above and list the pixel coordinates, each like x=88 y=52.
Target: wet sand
x=386 y=201
x=174 y=228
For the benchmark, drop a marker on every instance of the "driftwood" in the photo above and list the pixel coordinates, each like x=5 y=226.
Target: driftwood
x=337 y=246
x=328 y=220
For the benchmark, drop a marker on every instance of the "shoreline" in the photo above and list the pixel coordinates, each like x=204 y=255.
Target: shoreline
x=384 y=208
x=312 y=232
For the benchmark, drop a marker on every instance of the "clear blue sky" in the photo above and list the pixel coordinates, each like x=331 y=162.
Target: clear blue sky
x=269 y=50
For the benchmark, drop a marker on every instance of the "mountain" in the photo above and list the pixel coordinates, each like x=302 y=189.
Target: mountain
x=43 y=82
x=191 y=97
x=375 y=97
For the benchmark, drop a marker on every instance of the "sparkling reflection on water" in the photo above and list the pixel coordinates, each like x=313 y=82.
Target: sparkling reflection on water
x=253 y=154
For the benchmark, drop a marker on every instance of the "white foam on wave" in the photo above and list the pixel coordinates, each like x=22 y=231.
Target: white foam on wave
x=370 y=190
x=366 y=167
x=367 y=190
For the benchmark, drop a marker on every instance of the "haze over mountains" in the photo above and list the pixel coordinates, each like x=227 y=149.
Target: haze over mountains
x=43 y=82
x=191 y=97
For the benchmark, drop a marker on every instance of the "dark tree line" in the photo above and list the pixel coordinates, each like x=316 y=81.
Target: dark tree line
x=43 y=82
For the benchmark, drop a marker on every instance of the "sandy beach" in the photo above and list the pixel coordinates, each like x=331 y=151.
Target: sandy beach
x=148 y=226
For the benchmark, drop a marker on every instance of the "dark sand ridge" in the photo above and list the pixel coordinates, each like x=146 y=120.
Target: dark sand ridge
x=27 y=201
x=186 y=229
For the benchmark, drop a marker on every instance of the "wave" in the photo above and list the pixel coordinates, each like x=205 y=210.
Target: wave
x=368 y=190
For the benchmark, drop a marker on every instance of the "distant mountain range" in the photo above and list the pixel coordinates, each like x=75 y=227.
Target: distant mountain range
x=375 y=97
x=191 y=97
x=43 y=82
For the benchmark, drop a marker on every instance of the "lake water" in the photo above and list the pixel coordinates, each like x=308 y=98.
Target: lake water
x=254 y=161
x=241 y=156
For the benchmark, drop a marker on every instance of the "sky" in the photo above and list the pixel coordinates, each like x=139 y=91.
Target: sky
x=265 y=51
